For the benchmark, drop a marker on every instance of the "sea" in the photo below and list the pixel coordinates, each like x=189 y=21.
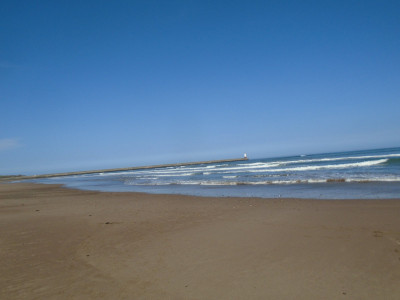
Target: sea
x=366 y=174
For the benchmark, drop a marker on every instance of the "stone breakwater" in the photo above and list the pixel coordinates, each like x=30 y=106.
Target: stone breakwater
x=121 y=169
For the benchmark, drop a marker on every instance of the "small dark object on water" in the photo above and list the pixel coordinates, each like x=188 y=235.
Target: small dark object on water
x=336 y=180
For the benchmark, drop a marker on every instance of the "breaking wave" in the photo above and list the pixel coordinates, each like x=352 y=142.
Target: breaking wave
x=269 y=182
x=339 y=158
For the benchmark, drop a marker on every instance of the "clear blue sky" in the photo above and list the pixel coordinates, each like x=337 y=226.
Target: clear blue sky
x=99 y=84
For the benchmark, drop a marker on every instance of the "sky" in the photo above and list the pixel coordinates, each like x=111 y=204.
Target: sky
x=103 y=84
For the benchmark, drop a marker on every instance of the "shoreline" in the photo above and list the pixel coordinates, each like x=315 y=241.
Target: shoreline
x=63 y=243
x=225 y=195
x=65 y=186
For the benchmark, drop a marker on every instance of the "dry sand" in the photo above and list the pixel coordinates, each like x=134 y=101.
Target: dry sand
x=58 y=243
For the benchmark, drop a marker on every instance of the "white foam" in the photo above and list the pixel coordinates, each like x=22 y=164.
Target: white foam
x=209 y=169
x=112 y=173
x=266 y=182
x=337 y=158
x=374 y=179
x=323 y=167
x=177 y=170
x=249 y=167
x=175 y=175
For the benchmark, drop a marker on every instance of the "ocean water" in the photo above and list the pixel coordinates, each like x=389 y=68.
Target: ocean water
x=367 y=174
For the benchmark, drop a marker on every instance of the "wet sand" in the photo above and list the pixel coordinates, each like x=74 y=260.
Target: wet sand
x=58 y=243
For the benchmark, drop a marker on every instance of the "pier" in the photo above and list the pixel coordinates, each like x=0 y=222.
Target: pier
x=5 y=178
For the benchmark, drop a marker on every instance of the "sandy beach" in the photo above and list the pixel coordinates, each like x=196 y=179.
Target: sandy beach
x=59 y=243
